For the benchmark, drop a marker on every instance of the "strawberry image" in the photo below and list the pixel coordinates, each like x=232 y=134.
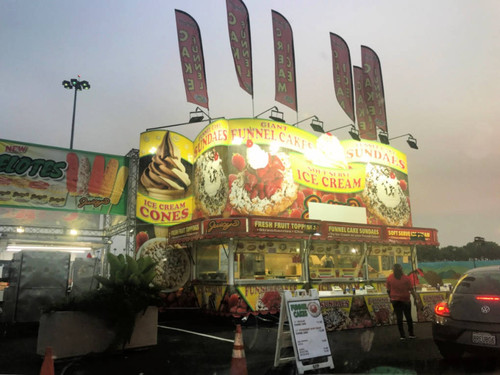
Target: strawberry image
x=238 y=161
x=140 y=238
x=296 y=213
x=251 y=180
x=403 y=184
x=300 y=199
x=253 y=193
x=328 y=198
x=249 y=143
x=270 y=189
x=309 y=191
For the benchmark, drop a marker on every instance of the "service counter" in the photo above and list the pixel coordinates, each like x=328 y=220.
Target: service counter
x=240 y=266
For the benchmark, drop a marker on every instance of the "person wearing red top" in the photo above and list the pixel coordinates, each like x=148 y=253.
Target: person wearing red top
x=399 y=287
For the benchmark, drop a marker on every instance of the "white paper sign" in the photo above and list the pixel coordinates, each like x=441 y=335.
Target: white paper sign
x=308 y=329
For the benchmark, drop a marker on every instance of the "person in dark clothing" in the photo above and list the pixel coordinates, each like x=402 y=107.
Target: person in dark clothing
x=399 y=288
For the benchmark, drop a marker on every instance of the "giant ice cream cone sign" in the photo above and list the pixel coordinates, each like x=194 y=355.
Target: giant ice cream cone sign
x=164 y=196
x=241 y=167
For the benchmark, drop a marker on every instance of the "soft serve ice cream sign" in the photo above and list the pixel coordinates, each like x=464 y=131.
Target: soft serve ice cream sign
x=259 y=167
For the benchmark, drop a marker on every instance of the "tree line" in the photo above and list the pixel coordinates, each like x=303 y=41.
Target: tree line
x=479 y=250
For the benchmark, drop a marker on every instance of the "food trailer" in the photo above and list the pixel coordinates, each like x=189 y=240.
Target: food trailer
x=253 y=207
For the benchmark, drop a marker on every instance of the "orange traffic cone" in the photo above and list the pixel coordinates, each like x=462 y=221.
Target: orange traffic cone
x=238 y=362
x=48 y=363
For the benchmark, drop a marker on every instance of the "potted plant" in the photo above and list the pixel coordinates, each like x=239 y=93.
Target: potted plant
x=107 y=316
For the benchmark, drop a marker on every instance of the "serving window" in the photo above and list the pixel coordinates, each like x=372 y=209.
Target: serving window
x=336 y=261
x=268 y=260
x=381 y=259
x=212 y=262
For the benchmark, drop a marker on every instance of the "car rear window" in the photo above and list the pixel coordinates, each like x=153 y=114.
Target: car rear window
x=480 y=283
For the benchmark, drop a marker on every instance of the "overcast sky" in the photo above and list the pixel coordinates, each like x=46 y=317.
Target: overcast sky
x=440 y=65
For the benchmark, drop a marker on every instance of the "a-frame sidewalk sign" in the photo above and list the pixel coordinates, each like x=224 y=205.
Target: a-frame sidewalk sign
x=301 y=312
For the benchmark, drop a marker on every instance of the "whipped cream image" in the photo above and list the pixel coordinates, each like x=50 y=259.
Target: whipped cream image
x=388 y=191
x=166 y=171
x=257 y=157
x=212 y=177
x=384 y=197
x=211 y=183
x=328 y=153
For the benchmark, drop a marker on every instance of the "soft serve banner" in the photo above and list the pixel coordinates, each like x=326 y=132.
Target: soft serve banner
x=260 y=167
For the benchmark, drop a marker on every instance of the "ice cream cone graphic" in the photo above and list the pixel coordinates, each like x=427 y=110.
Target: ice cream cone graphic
x=165 y=178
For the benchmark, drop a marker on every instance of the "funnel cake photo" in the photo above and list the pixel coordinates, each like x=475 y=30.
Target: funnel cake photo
x=264 y=186
x=384 y=196
x=211 y=184
x=165 y=178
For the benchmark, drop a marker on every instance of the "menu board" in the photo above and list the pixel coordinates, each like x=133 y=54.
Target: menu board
x=302 y=311
x=308 y=329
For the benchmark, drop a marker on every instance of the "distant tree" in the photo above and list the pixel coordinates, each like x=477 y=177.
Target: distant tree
x=478 y=250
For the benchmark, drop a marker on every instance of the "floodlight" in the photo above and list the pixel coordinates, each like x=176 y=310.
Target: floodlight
x=197 y=116
x=317 y=125
x=354 y=133
x=412 y=141
x=384 y=138
x=275 y=115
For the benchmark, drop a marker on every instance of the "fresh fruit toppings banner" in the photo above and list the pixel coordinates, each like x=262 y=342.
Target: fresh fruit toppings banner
x=37 y=176
x=258 y=167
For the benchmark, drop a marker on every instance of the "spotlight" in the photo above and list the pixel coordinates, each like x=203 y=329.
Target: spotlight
x=317 y=125
x=197 y=116
x=275 y=115
x=412 y=141
x=384 y=138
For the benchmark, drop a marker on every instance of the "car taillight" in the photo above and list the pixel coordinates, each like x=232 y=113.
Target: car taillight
x=442 y=309
x=488 y=298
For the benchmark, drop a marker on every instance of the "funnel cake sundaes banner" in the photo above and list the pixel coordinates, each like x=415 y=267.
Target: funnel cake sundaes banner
x=41 y=177
x=258 y=167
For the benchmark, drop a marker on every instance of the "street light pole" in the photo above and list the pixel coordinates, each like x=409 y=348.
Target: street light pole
x=75 y=84
x=73 y=122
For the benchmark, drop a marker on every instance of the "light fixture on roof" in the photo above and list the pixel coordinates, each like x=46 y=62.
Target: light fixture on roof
x=197 y=115
x=20 y=230
x=412 y=142
x=353 y=132
x=275 y=115
x=384 y=137
x=315 y=122
x=73 y=232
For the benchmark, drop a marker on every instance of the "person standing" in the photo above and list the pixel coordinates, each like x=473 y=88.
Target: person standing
x=399 y=288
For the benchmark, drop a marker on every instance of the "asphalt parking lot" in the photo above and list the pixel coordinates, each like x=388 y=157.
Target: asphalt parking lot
x=203 y=345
